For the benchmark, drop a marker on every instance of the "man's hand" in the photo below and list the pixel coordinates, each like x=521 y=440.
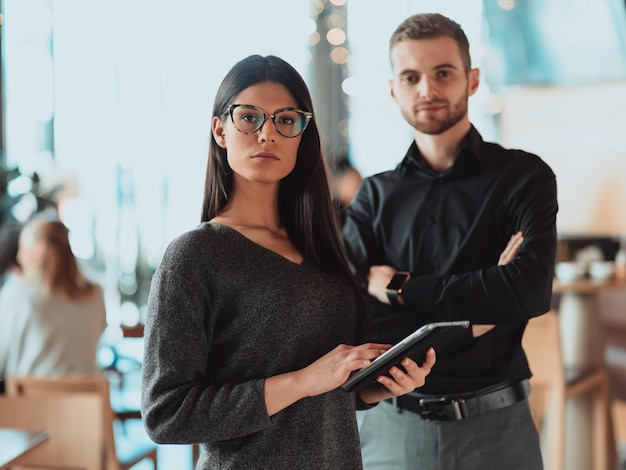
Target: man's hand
x=379 y=277
x=508 y=255
x=511 y=249
x=377 y=280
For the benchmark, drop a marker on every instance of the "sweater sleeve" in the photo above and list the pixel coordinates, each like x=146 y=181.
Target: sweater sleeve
x=181 y=402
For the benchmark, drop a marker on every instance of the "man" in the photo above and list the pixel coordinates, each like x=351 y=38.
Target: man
x=426 y=242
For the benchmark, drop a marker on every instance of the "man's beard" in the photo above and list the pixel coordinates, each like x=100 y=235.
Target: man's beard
x=435 y=126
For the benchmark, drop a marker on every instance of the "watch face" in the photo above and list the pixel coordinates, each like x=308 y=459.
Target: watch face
x=397 y=281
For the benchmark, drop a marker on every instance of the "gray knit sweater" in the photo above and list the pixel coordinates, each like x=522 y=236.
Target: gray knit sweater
x=225 y=313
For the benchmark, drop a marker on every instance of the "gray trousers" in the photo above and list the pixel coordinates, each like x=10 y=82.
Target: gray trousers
x=504 y=439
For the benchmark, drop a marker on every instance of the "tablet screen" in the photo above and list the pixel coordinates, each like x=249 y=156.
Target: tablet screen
x=436 y=335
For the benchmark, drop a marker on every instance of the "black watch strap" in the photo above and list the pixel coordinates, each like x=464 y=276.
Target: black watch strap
x=392 y=295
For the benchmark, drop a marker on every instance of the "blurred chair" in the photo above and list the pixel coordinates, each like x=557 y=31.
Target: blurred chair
x=71 y=444
x=122 y=450
x=133 y=331
x=551 y=387
x=612 y=306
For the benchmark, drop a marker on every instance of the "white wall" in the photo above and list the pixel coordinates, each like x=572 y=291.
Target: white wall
x=581 y=132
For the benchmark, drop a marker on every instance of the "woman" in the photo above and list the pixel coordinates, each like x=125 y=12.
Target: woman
x=251 y=315
x=51 y=318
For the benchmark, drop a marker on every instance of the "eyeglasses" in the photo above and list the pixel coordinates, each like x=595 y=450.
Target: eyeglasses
x=289 y=122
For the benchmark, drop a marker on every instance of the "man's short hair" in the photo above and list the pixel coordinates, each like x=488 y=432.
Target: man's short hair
x=429 y=26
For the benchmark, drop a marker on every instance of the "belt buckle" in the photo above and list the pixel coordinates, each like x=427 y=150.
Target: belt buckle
x=425 y=403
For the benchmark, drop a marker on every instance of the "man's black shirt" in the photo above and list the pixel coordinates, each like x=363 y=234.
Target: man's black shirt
x=448 y=229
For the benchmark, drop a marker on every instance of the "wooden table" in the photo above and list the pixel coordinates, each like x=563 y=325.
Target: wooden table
x=582 y=341
x=16 y=443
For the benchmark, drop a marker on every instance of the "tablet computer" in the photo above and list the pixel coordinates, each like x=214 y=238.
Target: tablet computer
x=436 y=335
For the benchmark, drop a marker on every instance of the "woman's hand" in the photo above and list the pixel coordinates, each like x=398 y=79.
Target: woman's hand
x=401 y=382
x=325 y=374
x=334 y=368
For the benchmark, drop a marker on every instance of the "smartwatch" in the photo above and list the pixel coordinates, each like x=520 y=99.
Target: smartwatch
x=394 y=288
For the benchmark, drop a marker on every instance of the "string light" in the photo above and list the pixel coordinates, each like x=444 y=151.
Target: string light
x=340 y=55
x=314 y=38
x=336 y=36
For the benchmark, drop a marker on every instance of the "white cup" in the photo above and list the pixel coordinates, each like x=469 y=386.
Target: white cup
x=568 y=271
x=601 y=271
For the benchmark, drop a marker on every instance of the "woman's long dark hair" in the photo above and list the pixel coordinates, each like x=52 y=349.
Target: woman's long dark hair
x=304 y=197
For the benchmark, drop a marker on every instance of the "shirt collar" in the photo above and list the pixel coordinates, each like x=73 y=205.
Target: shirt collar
x=471 y=146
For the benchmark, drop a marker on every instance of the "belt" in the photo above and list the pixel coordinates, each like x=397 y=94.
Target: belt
x=454 y=408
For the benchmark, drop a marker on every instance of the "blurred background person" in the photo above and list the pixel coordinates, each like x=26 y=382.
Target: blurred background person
x=346 y=181
x=51 y=317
